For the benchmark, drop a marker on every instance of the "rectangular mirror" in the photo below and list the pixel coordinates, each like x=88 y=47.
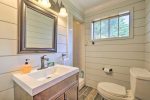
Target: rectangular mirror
x=37 y=29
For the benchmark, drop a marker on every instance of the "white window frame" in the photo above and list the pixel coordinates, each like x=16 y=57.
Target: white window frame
x=116 y=38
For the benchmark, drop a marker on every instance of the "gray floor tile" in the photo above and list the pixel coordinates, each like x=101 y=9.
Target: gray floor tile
x=88 y=90
x=82 y=90
x=82 y=97
x=85 y=91
x=98 y=97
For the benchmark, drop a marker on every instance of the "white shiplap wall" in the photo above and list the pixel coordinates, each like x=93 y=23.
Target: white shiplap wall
x=119 y=55
x=10 y=61
x=147 y=40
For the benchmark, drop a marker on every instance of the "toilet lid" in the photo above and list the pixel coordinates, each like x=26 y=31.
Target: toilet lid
x=113 y=89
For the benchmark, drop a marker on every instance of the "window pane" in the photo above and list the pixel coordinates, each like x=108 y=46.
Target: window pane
x=124 y=26
x=114 y=27
x=104 y=28
x=96 y=30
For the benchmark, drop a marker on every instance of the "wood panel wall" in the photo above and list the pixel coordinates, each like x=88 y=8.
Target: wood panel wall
x=10 y=61
x=147 y=40
x=120 y=55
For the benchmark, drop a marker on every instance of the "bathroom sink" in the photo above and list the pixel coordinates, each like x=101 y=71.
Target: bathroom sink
x=48 y=73
x=39 y=80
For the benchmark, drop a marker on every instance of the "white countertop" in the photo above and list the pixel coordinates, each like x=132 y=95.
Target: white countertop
x=34 y=86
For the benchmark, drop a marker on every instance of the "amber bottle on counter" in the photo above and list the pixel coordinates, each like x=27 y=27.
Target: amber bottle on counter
x=26 y=68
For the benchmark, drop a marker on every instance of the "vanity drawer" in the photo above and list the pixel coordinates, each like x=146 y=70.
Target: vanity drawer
x=60 y=88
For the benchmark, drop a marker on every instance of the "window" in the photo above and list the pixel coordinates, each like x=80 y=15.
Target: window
x=113 y=27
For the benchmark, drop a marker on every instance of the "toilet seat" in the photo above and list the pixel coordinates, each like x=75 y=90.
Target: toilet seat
x=112 y=91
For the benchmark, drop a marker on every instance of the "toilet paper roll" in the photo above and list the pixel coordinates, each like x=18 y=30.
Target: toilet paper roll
x=107 y=70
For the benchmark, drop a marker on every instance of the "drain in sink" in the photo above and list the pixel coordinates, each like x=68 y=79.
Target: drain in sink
x=48 y=77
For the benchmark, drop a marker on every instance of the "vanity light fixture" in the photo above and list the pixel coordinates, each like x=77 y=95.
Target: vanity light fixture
x=59 y=8
x=63 y=11
x=45 y=3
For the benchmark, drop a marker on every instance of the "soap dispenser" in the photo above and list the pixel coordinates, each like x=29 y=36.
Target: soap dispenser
x=26 y=68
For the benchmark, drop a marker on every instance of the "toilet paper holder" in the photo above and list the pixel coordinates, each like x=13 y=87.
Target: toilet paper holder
x=110 y=69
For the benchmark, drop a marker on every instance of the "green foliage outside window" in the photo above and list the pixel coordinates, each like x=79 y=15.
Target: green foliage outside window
x=112 y=27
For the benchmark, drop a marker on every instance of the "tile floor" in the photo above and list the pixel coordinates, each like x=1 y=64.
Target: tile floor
x=88 y=93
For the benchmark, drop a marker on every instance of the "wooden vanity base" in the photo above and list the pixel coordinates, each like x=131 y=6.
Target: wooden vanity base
x=64 y=90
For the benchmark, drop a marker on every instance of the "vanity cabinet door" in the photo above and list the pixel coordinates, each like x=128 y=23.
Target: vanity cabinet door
x=62 y=97
x=72 y=93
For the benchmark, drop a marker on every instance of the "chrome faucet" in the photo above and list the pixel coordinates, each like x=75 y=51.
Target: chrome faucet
x=43 y=59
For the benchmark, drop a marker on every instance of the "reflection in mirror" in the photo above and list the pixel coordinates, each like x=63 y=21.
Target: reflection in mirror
x=39 y=30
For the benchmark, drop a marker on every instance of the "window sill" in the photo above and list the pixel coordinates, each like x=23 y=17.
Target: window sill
x=112 y=39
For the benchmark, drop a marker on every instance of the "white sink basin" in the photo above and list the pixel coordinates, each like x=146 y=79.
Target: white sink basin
x=48 y=73
x=39 y=80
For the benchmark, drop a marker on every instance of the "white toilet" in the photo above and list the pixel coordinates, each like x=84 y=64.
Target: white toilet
x=140 y=87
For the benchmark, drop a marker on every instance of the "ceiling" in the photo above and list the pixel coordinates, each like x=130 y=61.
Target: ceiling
x=86 y=5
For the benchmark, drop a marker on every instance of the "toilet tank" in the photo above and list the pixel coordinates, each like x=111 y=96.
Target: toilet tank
x=140 y=83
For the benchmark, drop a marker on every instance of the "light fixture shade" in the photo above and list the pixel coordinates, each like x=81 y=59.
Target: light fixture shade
x=63 y=12
x=45 y=3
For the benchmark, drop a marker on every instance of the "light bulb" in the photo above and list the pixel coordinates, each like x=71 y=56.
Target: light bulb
x=45 y=3
x=63 y=12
